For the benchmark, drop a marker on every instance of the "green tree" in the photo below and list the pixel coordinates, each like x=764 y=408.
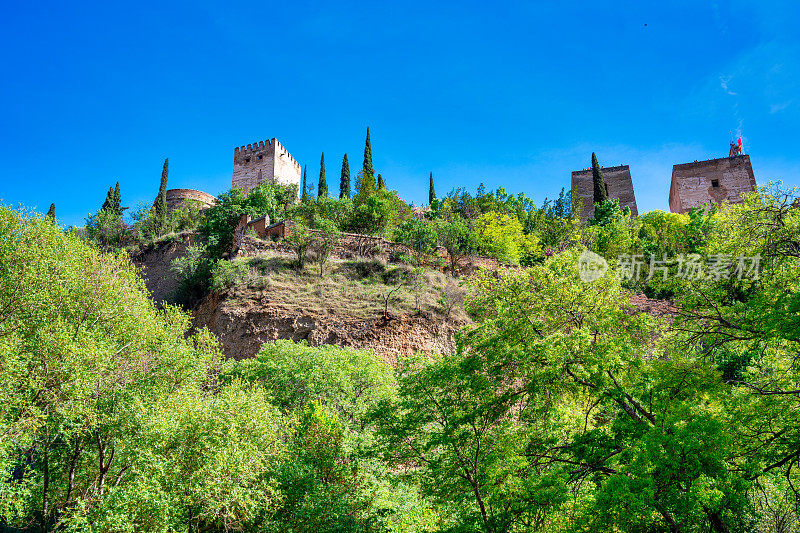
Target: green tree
x=106 y=229
x=551 y=413
x=366 y=183
x=322 y=187
x=419 y=235
x=159 y=209
x=613 y=231
x=502 y=237
x=664 y=233
x=431 y=192
x=109 y=201
x=301 y=241
x=117 y=200
x=379 y=214
x=51 y=213
x=381 y=184
x=600 y=190
x=304 y=198
x=326 y=239
x=344 y=182
x=219 y=221
x=109 y=416
x=322 y=486
x=347 y=380
x=454 y=235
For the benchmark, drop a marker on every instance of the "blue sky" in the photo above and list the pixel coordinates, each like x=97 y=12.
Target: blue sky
x=512 y=95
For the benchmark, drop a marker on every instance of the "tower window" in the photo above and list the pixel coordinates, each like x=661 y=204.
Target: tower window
x=260 y=157
x=246 y=159
x=715 y=184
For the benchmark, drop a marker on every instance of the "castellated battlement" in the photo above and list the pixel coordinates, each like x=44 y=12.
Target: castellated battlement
x=264 y=161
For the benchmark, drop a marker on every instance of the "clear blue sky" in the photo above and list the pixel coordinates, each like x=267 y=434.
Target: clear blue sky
x=512 y=95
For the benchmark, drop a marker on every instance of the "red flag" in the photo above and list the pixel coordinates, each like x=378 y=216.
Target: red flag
x=740 y=142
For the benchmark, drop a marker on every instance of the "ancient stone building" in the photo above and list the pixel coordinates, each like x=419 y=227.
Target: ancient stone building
x=620 y=186
x=710 y=182
x=264 y=161
x=182 y=198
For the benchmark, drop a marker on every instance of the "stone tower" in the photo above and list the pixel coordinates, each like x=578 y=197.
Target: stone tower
x=264 y=161
x=715 y=181
x=620 y=186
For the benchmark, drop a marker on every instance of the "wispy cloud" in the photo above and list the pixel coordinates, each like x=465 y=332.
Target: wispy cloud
x=777 y=108
x=723 y=82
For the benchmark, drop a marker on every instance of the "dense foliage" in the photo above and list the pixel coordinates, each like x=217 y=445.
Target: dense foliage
x=565 y=407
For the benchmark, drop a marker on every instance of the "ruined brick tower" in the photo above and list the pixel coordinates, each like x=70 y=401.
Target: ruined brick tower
x=620 y=186
x=710 y=182
x=264 y=161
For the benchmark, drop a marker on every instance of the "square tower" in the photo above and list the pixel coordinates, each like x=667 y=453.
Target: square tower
x=264 y=161
x=619 y=183
x=715 y=181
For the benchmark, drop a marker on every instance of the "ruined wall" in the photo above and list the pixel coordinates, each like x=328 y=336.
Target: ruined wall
x=620 y=186
x=710 y=182
x=177 y=198
x=264 y=161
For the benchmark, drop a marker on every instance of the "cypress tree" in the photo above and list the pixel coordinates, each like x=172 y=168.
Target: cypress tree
x=322 y=187
x=344 y=182
x=600 y=187
x=160 y=205
x=304 y=197
x=431 y=191
x=51 y=213
x=109 y=201
x=117 y=201
x=381 y=185
x=367 y=188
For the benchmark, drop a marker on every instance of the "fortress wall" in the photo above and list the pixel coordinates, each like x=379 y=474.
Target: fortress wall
x=710 y=182
x=287 y=170
x=620 y=186
x=253 y=164
x=263 y=161
x=177 y=198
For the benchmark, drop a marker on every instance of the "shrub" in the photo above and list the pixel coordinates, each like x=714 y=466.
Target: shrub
x=227 y=274
x=106 y=229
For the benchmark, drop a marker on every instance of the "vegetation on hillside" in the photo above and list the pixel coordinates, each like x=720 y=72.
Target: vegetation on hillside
x=562 y=409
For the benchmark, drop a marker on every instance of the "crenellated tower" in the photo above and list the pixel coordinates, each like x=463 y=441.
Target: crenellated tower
x=264 y=161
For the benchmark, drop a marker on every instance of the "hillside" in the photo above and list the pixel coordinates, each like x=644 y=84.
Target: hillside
x=269 y=299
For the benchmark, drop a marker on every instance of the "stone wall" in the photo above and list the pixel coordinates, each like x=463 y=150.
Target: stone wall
x=177 y=198
x=264 y=161
x=620 y=186
x=710 y=182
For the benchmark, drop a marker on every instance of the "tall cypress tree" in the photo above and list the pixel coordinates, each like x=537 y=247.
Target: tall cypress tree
x=367 y=185
x=108 y=204
x=381 y=185
x=51 y=213
x=431 y=191
x=117 y=201
x=322 y=186
x=160 y=205
x=344 y=182
x=600 y=187
x=304 y=197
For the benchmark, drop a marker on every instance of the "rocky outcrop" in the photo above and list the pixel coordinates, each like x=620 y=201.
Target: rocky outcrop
x=244 y=321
